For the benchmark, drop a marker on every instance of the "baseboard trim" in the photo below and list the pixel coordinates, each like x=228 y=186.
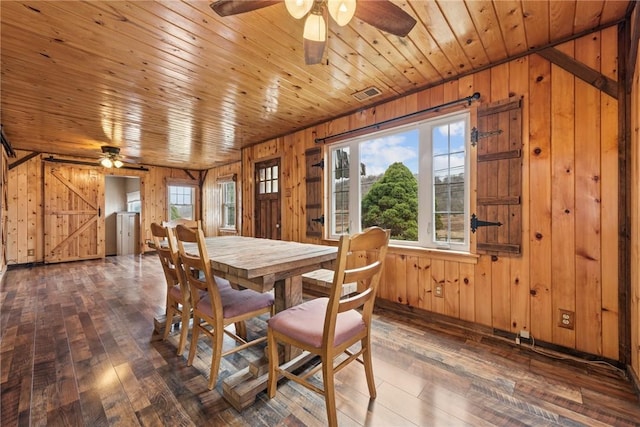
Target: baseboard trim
x=489 y=333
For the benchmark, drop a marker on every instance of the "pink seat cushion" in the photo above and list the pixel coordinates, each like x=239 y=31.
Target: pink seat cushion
x=235 y=302
x=305 y=323
x=176 y=293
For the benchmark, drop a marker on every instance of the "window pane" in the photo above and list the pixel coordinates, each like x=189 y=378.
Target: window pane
x=457 y=222
x=275 y=186
x=389 y=185
x=449 y=182
x=181 y=202
x=261 y=187
x=268 y=187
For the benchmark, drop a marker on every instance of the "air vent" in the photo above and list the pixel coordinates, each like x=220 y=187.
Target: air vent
x=367 y=93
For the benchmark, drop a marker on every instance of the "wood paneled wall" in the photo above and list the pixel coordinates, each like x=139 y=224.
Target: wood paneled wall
x=570 y=204
x=25 y=237
x=4 y=172
x=211 y=199
x=635 y=212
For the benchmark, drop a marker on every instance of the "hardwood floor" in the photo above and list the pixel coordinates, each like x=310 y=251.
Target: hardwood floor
x=77 y=350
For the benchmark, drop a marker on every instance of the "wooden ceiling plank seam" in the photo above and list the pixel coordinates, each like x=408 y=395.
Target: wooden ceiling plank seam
x=588 y=15
x=561 y=16
x=458 y=19
x=431 y=49
x=510 y=17
x=437 y=26
x=536 y=24
x=485 y=21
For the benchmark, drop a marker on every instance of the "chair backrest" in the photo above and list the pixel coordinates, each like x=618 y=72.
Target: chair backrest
x=190 y=223
x=164 y=243
x=360 y=260
x=195 y=264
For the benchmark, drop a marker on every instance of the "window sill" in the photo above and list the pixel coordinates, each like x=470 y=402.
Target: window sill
x=446 y=255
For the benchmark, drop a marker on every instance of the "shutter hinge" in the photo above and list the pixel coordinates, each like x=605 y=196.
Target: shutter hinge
x=475 y=223
x=476 y=135
x=320 y=164
x=319 y=220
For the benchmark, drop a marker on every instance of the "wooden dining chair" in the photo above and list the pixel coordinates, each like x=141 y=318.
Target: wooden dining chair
x=219 y=306
x=178 y=294
x=191 y=223
x=328 y=327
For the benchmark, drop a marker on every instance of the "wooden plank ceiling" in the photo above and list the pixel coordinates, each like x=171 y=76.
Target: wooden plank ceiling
x=173 y=84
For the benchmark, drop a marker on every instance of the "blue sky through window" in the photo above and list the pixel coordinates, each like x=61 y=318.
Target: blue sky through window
x=379 y=153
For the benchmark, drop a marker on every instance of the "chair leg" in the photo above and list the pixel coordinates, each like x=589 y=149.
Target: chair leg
x=216 y=344
x=241 y=329
x=186 y=314
x=194 y=339
x=368 y=366
x=329 y=392
x=171 y=311
x=272 y=348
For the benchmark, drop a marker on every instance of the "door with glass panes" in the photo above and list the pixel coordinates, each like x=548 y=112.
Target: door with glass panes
x=267 y=213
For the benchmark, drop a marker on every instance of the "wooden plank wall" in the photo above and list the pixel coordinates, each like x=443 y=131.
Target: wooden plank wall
x=635 y=216
x=25 y=214
x=570 y=204
x=3 y=211
x=211 y=198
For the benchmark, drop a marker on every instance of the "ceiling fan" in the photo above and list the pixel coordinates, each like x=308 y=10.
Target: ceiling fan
x=382 y=14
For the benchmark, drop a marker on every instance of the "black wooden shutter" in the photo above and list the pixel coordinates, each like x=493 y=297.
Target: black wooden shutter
x=498 y=221
x=314 y=168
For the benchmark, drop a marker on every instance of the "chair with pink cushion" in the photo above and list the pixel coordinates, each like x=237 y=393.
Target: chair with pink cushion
x=219 y=306
x=328 y=327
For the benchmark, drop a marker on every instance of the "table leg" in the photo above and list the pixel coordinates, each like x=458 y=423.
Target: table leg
x=240 y=389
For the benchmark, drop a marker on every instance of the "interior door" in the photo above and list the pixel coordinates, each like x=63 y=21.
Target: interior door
x=73 y=220
x=267 y=215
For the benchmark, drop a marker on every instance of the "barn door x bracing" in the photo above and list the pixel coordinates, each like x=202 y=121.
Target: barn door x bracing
x=73 y=222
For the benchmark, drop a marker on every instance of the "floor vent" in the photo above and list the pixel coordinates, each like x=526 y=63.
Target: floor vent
x=367 y=93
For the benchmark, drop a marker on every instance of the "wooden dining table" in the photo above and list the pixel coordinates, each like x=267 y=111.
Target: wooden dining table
x=264 y=265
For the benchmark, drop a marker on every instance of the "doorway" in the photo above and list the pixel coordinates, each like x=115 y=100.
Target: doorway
x=122 y=215
x=267 y=214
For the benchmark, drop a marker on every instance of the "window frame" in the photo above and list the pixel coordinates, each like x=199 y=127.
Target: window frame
x=195 y=198
x=223 y=205
x=426 y=199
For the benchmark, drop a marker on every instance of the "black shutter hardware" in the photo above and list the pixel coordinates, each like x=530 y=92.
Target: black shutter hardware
x=477 y=135
x=475 y=223
x=319 y=220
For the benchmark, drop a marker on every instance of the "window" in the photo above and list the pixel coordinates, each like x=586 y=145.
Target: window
x=413 y=180
x=133 y=201
x=182 y=202
x=228 y=204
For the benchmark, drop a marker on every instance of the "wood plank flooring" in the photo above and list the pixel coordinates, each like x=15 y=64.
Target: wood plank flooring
x=77 y=350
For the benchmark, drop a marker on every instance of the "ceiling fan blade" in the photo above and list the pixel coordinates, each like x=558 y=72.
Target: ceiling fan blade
x=234 y=7
x=385 y=16
x=313 y=51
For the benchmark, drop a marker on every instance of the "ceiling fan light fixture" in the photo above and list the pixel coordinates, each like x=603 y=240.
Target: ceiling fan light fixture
x=315 y=29
x=110 y=157
x=341 y=10
x=298 y=8
x=106 y=162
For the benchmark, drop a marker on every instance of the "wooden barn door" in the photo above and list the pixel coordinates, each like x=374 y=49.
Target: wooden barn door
x=267 y=215
x=73 y=206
